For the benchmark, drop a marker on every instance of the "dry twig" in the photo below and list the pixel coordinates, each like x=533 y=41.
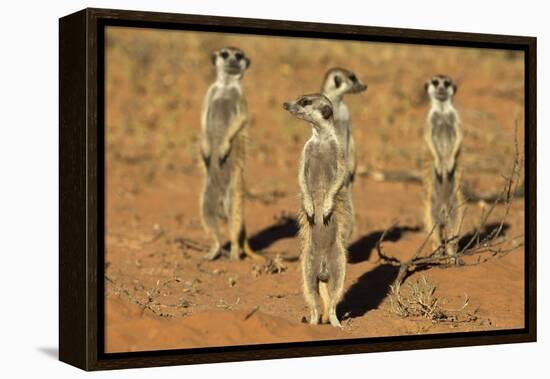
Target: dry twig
x=421 y=302
x=493 y=243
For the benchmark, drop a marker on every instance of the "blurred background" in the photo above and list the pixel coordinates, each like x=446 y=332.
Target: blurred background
x=156 y=81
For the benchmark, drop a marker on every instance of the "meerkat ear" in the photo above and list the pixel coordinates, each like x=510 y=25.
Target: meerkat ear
x=326 y=112
x=248 y=61
x=426 y=85
x=213 y=57
x=337 y=81
x=455 y=88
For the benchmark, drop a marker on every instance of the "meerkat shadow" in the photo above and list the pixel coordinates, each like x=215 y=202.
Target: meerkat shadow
x=361 y=250
x=285 y=227
x=368 y=292
x=489 y=231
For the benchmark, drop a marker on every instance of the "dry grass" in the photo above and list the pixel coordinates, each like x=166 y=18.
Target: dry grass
x=419 y=301
x=480 y=244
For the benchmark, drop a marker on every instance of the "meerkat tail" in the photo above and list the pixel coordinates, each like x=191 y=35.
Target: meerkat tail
x=325 y=301
x=251 y=253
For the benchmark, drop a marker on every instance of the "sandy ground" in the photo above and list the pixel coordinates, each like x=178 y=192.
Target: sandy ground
x=159 y=293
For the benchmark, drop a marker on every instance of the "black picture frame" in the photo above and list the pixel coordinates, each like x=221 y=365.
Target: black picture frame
x=81 y=192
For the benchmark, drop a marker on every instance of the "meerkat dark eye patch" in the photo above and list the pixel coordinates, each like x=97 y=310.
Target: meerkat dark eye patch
x=239 y=56
x=337 y=81
x=304 y=102
x=224 y=54
x=352 y=77
x=447 y=83
x=326 y=112
x=435 y=82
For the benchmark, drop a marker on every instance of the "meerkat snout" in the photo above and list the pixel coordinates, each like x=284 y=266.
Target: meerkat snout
x=440 y=88
x=357 y=86
x=230 y=60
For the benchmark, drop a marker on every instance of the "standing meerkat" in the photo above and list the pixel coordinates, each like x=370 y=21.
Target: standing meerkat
x=223 y=148
x=443 y=136
x=324 y=211
x=337 y=83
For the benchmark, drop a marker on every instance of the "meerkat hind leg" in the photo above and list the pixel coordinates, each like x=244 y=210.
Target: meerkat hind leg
x=235 y=209
x=210 y=223
x=453 y=231
x=239 y=242
x=432 y=224
x=337 y=271
x=336 y=290
x=310 y=288
x=310 y=294
x=325 y=301
x=352 y=221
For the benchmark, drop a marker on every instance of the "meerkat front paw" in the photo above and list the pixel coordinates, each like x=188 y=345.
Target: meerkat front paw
x=309 y=210
x=224 y=152
x=205 y=159
x=351 y=176
x=205 y=154
x=437 y=166
x=327 y=210
x=450 y=165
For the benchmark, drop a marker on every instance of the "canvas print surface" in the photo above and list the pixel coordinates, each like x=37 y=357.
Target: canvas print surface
x=265 y=189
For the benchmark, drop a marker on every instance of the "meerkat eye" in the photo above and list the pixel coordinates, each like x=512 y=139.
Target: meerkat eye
x=447 y=83
x=435 y=82
x=224 y=54
x=337 y=81
x=239 y=56
x=304 y=102
x=326 y=112
x=353 y=78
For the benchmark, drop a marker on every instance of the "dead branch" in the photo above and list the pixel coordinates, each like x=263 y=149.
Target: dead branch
x=392 y=176
x=151 y=297
x=493 y=244
x=265 y=198
x=189 y=244
x=269 y=266
x=421 y=302
x=414 y=177
x=491 y=197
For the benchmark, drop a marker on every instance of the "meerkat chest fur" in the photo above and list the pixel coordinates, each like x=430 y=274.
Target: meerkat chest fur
x=320 y=173
x=342 y=123
x=224 y=106
x=321 y=165
x=443 y=124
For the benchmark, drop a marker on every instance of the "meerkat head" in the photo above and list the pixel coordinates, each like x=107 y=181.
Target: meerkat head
x=440 y=88
x=339 y=81
x=230 y=61
x=315 y=109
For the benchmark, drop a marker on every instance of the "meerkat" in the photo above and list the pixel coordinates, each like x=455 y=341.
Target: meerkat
x=337 y=83
x=324 y=211
x=224 y=122
x=443 y=136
